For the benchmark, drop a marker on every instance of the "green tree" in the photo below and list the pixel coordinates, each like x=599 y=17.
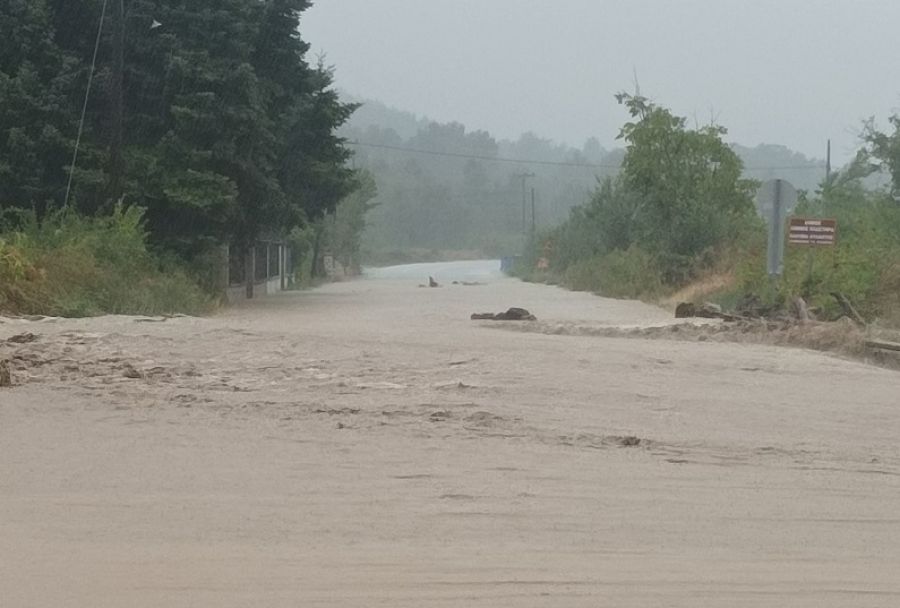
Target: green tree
x=37 y=107
x=883 y=150
x=345 y=226
x=691 y=196
x=229 y=133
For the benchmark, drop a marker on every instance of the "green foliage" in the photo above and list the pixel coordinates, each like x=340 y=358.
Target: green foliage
x=38 y=106
x=863 y=265
x=229 y=134
x=344 y=228
x=302 y=241
x=678 y=202
x=691 y=196
x=70 y=265
x=629 y=273
x=883 y=149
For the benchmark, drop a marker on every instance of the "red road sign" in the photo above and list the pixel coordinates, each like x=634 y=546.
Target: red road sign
x=812 y=232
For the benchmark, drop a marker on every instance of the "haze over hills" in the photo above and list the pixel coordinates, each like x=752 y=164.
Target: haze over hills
x=442 y=186
x=764 y=161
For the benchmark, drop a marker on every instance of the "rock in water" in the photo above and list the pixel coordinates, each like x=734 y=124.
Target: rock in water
x=513 y=314
x=685 y=310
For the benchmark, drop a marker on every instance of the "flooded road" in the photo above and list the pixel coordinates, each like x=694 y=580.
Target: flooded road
x=443 y=272
x=366 y=444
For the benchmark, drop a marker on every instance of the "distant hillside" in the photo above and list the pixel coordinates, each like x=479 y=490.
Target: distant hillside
x=770 y=161
x=444 y=187
x=376 y=114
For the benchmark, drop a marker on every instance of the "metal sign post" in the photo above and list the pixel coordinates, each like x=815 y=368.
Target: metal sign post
x=775 y=258
x=774 y=201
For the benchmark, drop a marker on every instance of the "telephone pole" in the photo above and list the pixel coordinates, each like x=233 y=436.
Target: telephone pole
x=533 y=222
x=523 y=176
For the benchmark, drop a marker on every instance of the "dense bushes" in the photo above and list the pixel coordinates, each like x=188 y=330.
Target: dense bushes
x=680 y=210
x=679 y=214
x=678 y=203
x=629 y=273
x=864 y=265
x=71 y=265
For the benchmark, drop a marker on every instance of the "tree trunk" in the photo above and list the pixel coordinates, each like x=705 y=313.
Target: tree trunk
x=223 y=279
x=314 y=270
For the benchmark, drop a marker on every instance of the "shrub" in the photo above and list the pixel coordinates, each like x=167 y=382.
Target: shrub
x=72 y=265
x=632 y=273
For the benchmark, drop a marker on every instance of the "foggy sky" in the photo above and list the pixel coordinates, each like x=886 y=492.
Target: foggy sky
x=793 y=72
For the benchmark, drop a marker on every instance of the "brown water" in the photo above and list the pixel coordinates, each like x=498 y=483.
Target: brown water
x=366 y=444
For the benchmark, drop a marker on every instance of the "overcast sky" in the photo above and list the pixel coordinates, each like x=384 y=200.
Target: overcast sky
x=794 y=72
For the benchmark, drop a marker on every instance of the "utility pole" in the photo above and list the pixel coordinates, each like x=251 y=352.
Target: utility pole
x=523 y=176
x=828 y=163
x=533 y=224
x=117 y=112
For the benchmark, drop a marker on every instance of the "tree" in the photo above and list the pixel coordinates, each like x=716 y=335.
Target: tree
x=218 y=127
x=883 y=150
x=344 y=228
x=37 y=107
x=690 y=193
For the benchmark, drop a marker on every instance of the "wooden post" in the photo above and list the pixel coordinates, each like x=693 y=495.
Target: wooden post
x=282 y=256
x=224 y=271
x=250 y=270
x=533 y=221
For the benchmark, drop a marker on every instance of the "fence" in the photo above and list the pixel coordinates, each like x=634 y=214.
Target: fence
x=260 y=270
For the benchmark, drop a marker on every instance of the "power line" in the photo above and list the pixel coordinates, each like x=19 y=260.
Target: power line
x=87 y=95
x=552 y=163
x=500 y=159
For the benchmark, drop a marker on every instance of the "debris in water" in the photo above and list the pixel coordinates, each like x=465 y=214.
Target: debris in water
x=25 y=338
x=130 y=372
x=5 y=376
x=513 y=314
x=431 y=283
x=629 y=441
x=707 y=310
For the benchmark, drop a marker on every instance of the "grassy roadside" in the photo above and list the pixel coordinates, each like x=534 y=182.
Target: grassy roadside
x=75 y=266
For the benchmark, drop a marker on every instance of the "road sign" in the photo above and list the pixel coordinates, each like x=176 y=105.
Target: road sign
x=774 y=200
x=765 y=198
x=812 y=232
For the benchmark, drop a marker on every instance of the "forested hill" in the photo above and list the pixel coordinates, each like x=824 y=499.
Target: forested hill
x=442 y=186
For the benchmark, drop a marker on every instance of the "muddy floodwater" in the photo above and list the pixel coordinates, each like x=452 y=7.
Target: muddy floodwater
x=367 y=444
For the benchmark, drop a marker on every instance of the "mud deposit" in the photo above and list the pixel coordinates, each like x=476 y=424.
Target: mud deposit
x=366 y=444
